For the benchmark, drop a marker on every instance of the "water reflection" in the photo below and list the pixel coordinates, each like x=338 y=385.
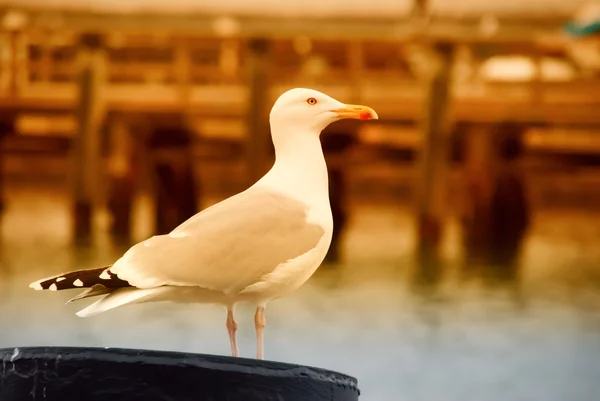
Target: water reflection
x=449 y=332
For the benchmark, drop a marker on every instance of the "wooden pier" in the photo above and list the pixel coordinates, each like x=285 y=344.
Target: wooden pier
x=90 y=77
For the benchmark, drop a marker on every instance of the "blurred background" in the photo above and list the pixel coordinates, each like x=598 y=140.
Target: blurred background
x=466 y=257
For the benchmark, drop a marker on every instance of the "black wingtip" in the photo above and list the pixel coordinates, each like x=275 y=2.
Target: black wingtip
x=80 y=279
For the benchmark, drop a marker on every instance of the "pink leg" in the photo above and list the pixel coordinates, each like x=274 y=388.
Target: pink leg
x=259 y=324
x=232 y=329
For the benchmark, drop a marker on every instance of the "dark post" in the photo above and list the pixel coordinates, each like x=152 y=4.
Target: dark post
x=122 y=177
x=94 y=374
x=7 y=127
x=18 y=64
x=87 y=141
x=257 y=121
x=182 y=66
x=336 y=144
x=175 y=185
x=434 y=154
x=477 y=183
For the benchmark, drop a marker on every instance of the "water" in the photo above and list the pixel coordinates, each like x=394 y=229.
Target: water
x=456 y=337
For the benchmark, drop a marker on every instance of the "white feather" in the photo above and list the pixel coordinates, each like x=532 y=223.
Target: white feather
x=119 y=298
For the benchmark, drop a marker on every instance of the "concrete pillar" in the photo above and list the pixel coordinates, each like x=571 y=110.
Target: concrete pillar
x=434 y=154
x=86 y=150
x=257 y=118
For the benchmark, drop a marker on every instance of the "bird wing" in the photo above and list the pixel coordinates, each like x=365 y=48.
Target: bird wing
x=227 y=247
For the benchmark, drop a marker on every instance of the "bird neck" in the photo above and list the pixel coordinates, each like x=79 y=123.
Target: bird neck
x=299 y=169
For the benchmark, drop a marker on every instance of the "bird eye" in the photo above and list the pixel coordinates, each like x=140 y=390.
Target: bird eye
x=311 y=100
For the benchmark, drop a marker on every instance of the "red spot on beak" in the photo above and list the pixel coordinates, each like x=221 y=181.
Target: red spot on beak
x=365 y=116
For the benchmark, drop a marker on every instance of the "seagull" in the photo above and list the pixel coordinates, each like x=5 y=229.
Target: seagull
x=255 y=246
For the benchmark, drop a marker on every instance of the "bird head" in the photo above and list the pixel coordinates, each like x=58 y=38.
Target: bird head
x=311 y=110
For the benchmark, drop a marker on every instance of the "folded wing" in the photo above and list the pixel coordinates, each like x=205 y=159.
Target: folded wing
x=227 y=247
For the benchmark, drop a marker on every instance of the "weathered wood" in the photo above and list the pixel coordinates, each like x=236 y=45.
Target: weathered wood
x=477 y=186
x=434 y=155
x=337 y=141
x=105 y=374
x=144 y=207
x=257 y=113
x=173 y=174
x=86 y=149
x=7 y=127
x=45 y=61
x=18 y=66
x=495 y=213
x=574 y=103
x=393 y=28
x=121 y=177
x=357 y=69
x=182 y=71
x=229 y=58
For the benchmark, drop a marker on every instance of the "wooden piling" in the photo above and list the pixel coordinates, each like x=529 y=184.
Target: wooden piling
x=477 y=187
x=18 y=64
x=121 y=177
x=173 y=173
x=229 y=58
x=7 y=127
x=434 y=153
x=356 y=65
x=45 y=71
x=257 y=121
x=182 y=68
x=86 y=146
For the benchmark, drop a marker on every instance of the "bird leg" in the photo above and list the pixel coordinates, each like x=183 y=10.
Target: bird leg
x=232 y=329
x=259 y=324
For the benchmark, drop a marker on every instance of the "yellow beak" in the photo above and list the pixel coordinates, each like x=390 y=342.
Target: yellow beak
x=357 y=111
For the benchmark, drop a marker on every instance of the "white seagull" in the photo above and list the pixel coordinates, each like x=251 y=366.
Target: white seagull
x=256 y=246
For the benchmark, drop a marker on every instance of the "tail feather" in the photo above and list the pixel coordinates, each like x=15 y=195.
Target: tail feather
x=120 y=297
x=81 y=279
x=94 y=291
x=98 y=281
